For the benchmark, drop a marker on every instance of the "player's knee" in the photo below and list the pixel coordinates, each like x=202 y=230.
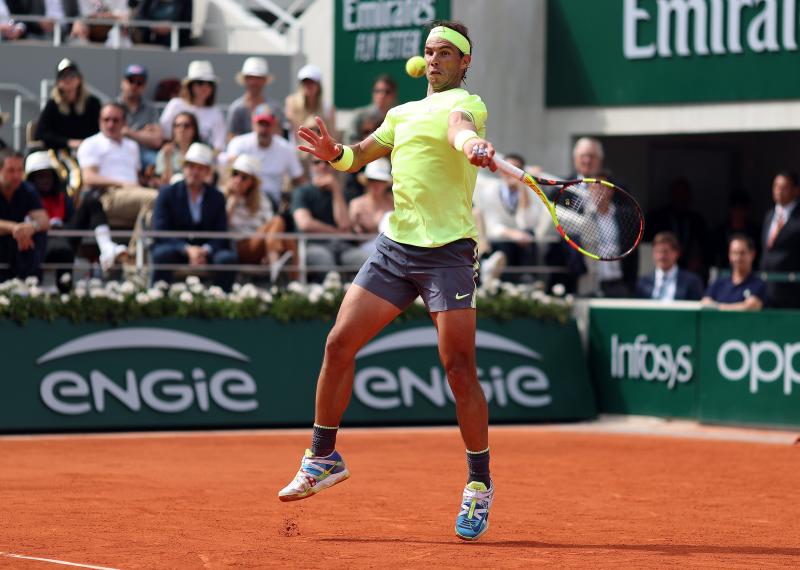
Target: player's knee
x=461 y=376
x=338 y=347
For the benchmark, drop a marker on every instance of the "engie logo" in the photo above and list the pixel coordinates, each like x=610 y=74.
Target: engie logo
x=642 y=359
x=167 y=391
x=382 y=389
x=749 y=360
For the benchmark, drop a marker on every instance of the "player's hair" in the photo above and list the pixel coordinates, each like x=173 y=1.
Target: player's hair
x=518 y=157
x=748 y=241
x=461 y=29
x=790 y=175
x=5 y=154
x=668 y=238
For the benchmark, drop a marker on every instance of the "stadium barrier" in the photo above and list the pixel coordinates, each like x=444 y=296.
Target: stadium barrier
x=193 y=373
x=685 y=361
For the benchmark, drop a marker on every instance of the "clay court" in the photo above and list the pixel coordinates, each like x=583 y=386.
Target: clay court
x=566 y=498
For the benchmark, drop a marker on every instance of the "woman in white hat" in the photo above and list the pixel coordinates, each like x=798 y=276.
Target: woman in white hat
x=307 y=102
x=254 y=77
x=197 y=96
x=250 y=212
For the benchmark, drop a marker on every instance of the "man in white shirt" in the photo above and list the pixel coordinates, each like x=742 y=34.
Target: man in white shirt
x=110 y=170
x=277 y=157
x=669 y=282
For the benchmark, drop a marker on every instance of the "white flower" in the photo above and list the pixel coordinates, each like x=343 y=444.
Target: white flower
x=332 y=281
x=538 y=296
x=155 y=293
x=31 y=281
x=559 y=289
x=193 y=280
x=197 y=288
x=177 y=288
x=80 y=292
x=98 y=293
x=314 y=296
x=35 y=291
x=186 y=297
x=95 y=283
x=161 y=285
x=4 y=302
x=274 y=289
x=296 y=287
x=66 y=278
x=236 y=287
x=64 y=297
x=143 y=298
x=111 y=286
x=570 y=298
x=265 y=297
x=127 y=288
x=216 y=292
x=328 y=296
x=249 y=291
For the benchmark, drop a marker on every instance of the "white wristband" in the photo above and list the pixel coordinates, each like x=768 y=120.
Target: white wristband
x=462 y=137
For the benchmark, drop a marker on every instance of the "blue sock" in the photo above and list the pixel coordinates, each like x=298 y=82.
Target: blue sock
x=323 y=440
x=478 y=466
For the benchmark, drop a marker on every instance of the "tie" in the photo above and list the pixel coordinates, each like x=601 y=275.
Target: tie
x=779 y=222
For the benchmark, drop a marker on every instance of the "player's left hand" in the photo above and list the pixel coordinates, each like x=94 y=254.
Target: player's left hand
x=321 y=145
x=480 y=152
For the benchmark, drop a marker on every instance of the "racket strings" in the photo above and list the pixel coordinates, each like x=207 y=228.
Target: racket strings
x=602 y=220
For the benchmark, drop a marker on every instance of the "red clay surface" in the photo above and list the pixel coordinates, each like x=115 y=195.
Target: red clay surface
x=563 y=500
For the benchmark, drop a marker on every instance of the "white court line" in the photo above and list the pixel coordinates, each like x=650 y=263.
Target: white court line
x=52 y=561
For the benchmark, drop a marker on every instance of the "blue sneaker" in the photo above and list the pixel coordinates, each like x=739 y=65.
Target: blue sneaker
x=473 y=520
x=315 y=474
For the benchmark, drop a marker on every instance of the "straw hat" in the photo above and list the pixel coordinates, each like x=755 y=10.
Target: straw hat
x=200 y=70
x=199 y=153
x=254 y=67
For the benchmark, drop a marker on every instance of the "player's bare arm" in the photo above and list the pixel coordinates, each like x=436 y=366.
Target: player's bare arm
x=325 y=147
x=461 y=131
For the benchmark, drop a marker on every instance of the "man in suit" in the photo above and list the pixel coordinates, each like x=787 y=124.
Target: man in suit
x=192 y=205
x=669 y=282
x=780 y=240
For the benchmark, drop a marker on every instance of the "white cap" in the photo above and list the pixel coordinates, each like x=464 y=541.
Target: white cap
x=254 y=67
x=4 y=116
x=379 y=170
x=200 y=70
x=37 y=161
x=199 y=153
x=311 y=72
x=247 y=164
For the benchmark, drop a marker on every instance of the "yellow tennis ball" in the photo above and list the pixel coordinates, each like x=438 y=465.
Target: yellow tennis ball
x=415 y=66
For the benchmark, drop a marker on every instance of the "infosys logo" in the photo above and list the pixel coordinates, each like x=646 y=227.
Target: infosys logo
x=381 y=388
x=648 y=361
x=165 y=390
x=763 y=361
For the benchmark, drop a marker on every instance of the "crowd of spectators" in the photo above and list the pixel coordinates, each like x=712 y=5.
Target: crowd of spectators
x=196 y=166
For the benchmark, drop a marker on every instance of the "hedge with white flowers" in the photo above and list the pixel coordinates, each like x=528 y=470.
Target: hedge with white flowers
x=115 y=302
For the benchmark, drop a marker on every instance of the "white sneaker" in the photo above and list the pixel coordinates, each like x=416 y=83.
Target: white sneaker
x=493 y=266
x=315 y=474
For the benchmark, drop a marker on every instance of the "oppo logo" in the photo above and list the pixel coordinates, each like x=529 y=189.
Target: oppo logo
x=763 y=361
x=381 y=388
x=169 y=390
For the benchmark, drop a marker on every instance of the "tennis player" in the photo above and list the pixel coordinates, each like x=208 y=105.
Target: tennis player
x=436 y=146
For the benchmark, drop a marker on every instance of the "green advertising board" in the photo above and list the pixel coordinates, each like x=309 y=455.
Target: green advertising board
x=199 y=373
x=373 y=37
x=633 y=52
x=750 y=368
x=644 y=361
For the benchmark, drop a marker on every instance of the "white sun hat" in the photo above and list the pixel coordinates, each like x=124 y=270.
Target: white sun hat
x=247 y=164
x=379 y=170
x=37 y=161
x=199 y=153
x=200 y=70
x=311 y=72
x=254 y=67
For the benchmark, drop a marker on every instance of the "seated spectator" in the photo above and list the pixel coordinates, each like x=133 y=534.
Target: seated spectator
x=71 y=113
x=110 y=169
x=164 y=11
x=320 y=208
x=140 y=115
x=384 y=97
x=198 y=93
x=55 y=10
x=3 y=119
x=511 y=216
x=742 y=291
x=23 y=222
x=41 y=174
x=192 y=205
x=306 y=103
x=95 y=26
x=367 y=211
x=254 y=77
x=780 y=240
x=669 y=282
x=169 y=161
x=249 y=211
x=276 y=157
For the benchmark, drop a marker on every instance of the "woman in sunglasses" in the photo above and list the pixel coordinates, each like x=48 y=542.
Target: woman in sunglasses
x=169 y=160
x=251 y=212
x=198 y=93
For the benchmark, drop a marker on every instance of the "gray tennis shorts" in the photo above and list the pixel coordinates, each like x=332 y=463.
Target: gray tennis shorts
x=443 y=276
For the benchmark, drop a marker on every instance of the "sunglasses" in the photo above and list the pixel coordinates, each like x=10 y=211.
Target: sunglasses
x=182 y=126
x=138 y=81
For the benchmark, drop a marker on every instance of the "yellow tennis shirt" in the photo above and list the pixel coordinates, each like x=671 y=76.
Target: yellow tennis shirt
x=432 y=181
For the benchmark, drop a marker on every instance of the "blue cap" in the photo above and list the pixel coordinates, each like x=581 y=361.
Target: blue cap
x=135 y=70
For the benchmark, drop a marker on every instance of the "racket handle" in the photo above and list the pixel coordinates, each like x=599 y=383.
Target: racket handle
x=509 y=168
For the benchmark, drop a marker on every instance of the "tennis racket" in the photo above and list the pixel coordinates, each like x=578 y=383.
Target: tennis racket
x=596 y=217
